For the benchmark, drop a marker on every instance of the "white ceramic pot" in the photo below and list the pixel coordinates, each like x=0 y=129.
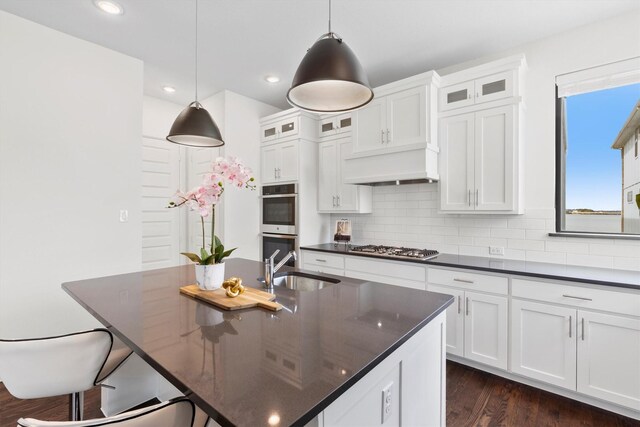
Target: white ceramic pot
x=210 y=277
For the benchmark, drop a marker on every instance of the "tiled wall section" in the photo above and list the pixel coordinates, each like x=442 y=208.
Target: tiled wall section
x=407 y=215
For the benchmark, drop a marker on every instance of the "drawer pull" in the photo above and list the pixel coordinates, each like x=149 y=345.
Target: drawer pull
x=570 y=326
x=321 y=260
x=467 y=306
x=462 y=280
x=459 y=299
x=583 y=329
x=580 y=298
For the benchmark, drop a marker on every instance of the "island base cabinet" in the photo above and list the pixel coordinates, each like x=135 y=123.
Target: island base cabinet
x=485 y=329
x=415 y=374
x=543 y=342
x=455 y=320
x=609 y=358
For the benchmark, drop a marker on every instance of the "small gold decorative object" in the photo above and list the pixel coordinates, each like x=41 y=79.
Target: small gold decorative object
x=233 y=287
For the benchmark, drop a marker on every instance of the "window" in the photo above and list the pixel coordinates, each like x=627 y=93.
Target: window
x=597 y=164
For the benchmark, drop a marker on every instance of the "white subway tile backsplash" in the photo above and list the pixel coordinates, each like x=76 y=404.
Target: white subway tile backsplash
x=407 y=215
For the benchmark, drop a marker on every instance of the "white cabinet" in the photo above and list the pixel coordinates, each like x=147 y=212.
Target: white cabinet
x=479 y=161
x=279 y=162
x=609 y=358
x=330 y=126
x=392 y=121
x=281 y=129
x=476 y=321
x=543 y=342
x=333 y=194
x=489 y=88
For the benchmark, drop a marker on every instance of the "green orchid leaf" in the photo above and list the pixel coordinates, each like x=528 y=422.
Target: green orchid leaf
x=208 y=260
x=217 y=241
x=203 y=254
x=193 y=257
x=227 y=253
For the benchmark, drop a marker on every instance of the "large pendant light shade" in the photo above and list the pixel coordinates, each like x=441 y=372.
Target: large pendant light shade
x=194 y=126
x=330 y=78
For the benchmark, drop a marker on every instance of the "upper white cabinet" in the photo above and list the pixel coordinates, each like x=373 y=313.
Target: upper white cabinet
x=288 y=125
x=333 y=194
x=279 y=162
x=484 y=89
x=332 y=126
x=480 y=144
x=478 y=161
x=393 y=120
x=395 y=135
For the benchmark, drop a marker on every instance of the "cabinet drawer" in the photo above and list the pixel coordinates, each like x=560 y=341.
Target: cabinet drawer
x=393 y=273
x=613 y=300
x=471 y=281
x=323 y=270
x=323 y=260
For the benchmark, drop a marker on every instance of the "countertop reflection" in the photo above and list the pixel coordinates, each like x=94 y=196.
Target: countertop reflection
x=256 y=367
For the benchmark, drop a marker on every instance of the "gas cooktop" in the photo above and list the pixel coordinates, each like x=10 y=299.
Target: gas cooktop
x=395 y=252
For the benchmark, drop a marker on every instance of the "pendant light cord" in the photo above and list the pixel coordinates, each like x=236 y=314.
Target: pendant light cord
x=329 y=16
x=196 y=56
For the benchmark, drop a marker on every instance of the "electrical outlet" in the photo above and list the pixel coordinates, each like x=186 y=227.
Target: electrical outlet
x=124 y=215
x=496 y=250
x=387 y=400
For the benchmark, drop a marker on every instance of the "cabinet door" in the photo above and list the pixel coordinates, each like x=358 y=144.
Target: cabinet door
x=457 y=163
x=268 y=132
x=347 y=193
x=288 y=161
x=609 y=358
x=456 y=96
x=495 y=86
x=485 y=329
x=288 y=127
x=343 y=123
x=269 y=164
x=368 y=130
x=327 y=173
x=407 y=117
x=455 y=319
x=327 y=127
x=494 y=159
x=543 y=342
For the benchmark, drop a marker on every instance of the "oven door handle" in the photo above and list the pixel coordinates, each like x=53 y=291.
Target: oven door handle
x=278 y=196
x=281 y=236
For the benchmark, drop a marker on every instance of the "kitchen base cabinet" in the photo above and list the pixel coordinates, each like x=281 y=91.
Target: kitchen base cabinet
x=485 y=329
x=609 y=358
x=543 y=342
x=455 y=320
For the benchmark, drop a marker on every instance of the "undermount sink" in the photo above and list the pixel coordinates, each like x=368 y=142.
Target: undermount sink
x=299 y=281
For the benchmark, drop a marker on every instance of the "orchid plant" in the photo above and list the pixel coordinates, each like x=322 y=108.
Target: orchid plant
x=203 y=199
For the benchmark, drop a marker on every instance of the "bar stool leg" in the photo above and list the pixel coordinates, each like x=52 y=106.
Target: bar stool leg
x=76 y=406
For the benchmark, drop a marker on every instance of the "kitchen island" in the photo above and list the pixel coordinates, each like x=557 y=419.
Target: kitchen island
x=324 y=359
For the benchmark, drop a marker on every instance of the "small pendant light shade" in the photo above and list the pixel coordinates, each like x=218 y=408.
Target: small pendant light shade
x=195 y=127
x=330 y=78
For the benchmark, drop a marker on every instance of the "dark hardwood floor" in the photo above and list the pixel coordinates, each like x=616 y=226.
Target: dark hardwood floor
x=474 y=398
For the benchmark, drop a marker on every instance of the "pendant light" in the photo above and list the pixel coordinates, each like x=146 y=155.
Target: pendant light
x=330 y=78
x=194 y=125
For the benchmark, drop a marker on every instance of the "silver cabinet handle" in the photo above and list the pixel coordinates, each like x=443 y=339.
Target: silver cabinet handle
x=476 y=197
x=338 y=200
x=570 y=325
x=467 y=306
x=321 y=260
x=381 y=136
x=459 y=303
x=469 y=96
x=388 y=137
x=275 y=173
x=469 y=197
x=334 y=201
x=462 y=280
x=583 y=329
x=580 y=298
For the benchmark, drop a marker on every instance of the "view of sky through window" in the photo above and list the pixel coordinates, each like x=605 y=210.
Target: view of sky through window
x=593 y=168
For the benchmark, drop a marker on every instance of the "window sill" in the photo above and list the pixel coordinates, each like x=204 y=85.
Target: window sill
x=596 y=235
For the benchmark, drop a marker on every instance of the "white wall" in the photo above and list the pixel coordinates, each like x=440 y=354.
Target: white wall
x=70 y=126
x=407 y=215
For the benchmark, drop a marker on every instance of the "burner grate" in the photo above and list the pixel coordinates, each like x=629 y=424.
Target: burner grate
x=396 y=252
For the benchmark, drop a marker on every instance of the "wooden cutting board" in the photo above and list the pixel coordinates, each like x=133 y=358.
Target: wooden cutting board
x=250 y=298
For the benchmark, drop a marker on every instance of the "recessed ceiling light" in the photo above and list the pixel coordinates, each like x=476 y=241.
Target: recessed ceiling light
x=272 y=79
x=109 y=6
x=169 y=89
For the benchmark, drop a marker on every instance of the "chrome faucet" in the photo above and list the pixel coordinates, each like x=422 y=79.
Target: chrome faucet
x=270 y=269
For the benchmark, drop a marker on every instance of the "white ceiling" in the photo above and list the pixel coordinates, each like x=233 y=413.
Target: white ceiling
x=243 y=40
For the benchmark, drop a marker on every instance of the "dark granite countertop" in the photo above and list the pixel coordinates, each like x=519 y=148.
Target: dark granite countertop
x=243 y=367
x=598 y=276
